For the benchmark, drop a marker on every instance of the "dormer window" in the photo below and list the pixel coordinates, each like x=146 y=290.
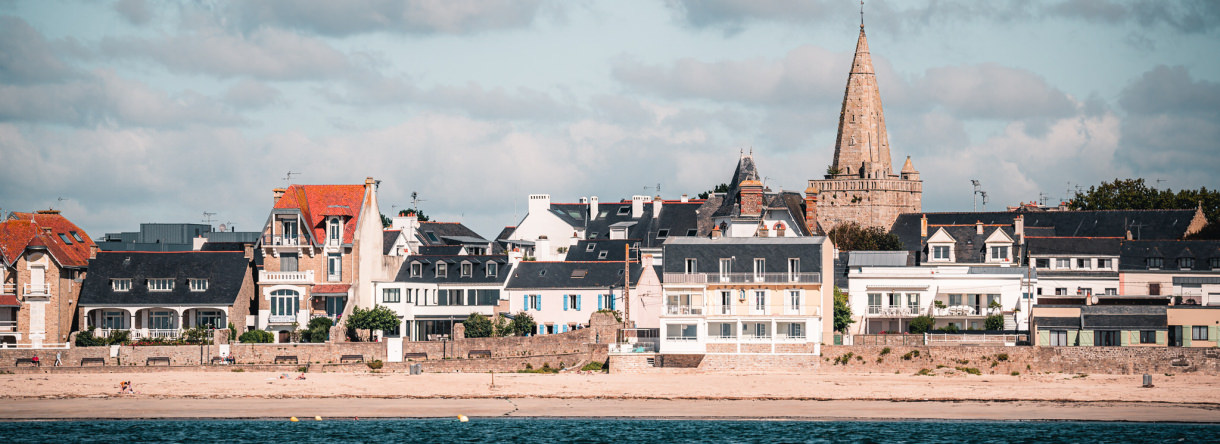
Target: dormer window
x=999 y=247
x=940 y=246
x=662 y=233
x=333 y=230
x=592 y=246
x=467 y=269
x=999 y=253
x=161 y=284
x=1083 y=264
x=198 y=284
x=1186 y=263
x=1104 y=264
x=942 y=253
x=492 y=269
x=120 y=284
x=1156 y=262
x=417 y=269
x=1042 y=263
x=593 y=235
x=1063 y=263
x=442 y=269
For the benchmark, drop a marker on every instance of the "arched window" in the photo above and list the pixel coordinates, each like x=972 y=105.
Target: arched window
x=285 y=302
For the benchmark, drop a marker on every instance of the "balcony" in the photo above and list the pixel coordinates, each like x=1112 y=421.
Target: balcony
x=285 y=277
x=965 y=310
x=893 y=311
x=742 y=278
x=8 y=326
x=36 y=290
x=282 y=241
x=8 y=289
x=281 y=319
x=683 y=310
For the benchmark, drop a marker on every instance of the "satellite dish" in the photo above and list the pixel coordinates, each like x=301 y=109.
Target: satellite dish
x=1093 y=299
x=221 y=227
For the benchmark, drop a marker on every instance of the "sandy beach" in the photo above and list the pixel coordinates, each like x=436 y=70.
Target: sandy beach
x=1185 y=398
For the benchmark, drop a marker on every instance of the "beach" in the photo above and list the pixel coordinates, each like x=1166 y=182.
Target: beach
x=189 y=394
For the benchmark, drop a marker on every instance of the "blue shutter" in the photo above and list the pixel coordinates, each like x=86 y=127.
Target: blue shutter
x=541 y=329
x=599 y=302
x=565 y=302
x=612 y=301
x=527 y=302
x=538 y=302
x=578 y=298
x=565 y=328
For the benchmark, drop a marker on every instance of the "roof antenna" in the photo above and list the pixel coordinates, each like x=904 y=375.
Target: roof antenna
x=59 y=200
x=415 y=200
x=861 y=14
x=288 y=177
x=207 y=217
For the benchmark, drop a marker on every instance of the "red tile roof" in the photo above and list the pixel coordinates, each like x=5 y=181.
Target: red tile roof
x=9 y=300
x=318 y=201
x=331 y=288
x=27 y=229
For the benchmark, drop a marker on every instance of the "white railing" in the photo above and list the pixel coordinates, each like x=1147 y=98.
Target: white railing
x=683 y=309
x=721 y=338
x=705 y=278
x=892 y=310
x=789 y=338
x=8 y=289
x=752 y=338
x=285 y=276
x=164 y=333
x=37 y=289
x=639 y=347
x=282 y=241
x=44 y=346
x=681 y=338
x=281 y=319
x=964 y=310
x=8 y=326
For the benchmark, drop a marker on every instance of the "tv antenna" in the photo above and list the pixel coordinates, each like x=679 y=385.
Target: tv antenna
x=978 y=190
x=288 y=177
x=1158 y=182
x=207 y=217
x=59 y=200
x=1042 y=198
x=415 y=200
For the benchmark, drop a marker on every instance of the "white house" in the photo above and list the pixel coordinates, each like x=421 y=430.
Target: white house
x=560 y=296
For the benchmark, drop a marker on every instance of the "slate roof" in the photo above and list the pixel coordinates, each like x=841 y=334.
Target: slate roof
x=1134 y=255
x=879 y=258
x=970 y=248
x=24 y=230
x=1052 y=246
x=1067 y=322
x=1143 y=224
x=539 y=275
x=442 y=230
x=440 y=250
x=315 y=202
x=388 y=237
x=776 y=250
x=613 y=249
x=453 y=270
x=223 y=270
x=677 y=218
x=728 y=205
x=1124 y=317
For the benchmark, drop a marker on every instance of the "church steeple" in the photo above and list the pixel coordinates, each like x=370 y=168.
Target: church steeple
x=862 y=148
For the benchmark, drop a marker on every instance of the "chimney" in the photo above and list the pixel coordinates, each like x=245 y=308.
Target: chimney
x=779 y=229
x=248 y=251
x=811 y=209
x=763 y=231
x=276 y=194
x=978 y=227
x=539 y=203
x=1019 y=229
x=646 y=261
x=685 y=198
x=923 y=226
x=715 y=231
x=637 y=206
x=751 y=197
x=93 y=251
x=593 y=208
x=656 y=207
x=542 y=248
x=584 y=200
x=515 y=256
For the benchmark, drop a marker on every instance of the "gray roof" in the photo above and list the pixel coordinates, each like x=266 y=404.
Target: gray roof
x=1125 y=317
x=1196 y=280
x=970 y=247
x=614 y=250
x=1143 y=224
x=453 y=270
x=1051 y=246
x=775 y=250
x=539 y=275
x=1069 y=322
x=387 y=240
x=1134 y=255
x=878 y=258
x=443 y=230
x=224 y=271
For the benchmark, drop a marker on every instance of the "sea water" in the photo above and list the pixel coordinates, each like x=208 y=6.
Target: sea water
x=597 y=430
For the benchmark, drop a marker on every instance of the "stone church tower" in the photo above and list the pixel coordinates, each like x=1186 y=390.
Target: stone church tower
x=860 y=185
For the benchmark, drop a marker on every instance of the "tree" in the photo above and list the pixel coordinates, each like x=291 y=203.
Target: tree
x=418 y=214
x=318 y=330
x=378 y=318
x=500 y=327
x=477 y=326
x=994 y=322
x=257 y=337
x=522 y=324
x=852 y=237
x=842 y=311
x=722 y=188
x=1135 y=194
x=921 y=324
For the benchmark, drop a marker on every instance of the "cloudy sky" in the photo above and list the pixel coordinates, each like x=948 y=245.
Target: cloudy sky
x=141 y=111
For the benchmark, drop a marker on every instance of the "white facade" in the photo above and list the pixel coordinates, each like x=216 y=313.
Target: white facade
x=885 y=299
x=419 y=306
x=550 y=235
x=565 y=309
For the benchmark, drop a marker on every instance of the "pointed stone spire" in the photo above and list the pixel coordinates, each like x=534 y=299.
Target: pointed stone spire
x=907 y=167
x=862 y=148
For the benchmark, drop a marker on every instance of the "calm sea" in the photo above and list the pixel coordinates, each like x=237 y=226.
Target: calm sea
x=596 y=430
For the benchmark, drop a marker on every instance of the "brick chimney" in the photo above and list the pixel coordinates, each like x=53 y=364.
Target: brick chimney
x=276 y=194
x=93 y=251
x=716 y=232
x=779 y=229
x=811 y=209
x=751 y=197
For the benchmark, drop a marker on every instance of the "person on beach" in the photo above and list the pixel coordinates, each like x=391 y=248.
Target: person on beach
x=301 y=377
x=35 y=360
x=58 y=361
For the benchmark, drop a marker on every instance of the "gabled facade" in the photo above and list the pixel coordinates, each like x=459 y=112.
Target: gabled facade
x=747 y=295
x=432 y=292
x=43 y=258
x=750 y=209
x=160 y=294
x=323 y=247
x=560 y=296
x=1187 y=270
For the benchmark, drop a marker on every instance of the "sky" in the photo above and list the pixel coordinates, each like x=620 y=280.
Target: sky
x=124 y=112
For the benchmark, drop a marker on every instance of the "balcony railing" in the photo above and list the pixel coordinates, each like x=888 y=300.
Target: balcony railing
x=722 y=309
x=37 y=289
x=8 y=289
x=789 y=338
x=683 y=309
x=285 y=277
x=281 y=241
x=638 y=347
x=281 y=319
x=891 y=310
x=681 y=338
x=8 y=326
x=742 y=278
x=965 y=310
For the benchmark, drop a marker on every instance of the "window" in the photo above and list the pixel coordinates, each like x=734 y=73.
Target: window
x=874 y=303
x=681 y=332
x=1063 y=263
x=198 y=284
x=662 y=233
x=1104 y=264
x=1061 y=291
x=1042 y=263
x=1186 y=263
x=1111 y=291
x=1154 y=289
x=594 y=234
x=391 y=295
x=913 y=303
x=120 y=284
x=794 y=300
x=1105 y=338
x=492 y=269
x=64 y=238
x=580 y=273
x=442 y=269
x=113 y=320
x=1081 y=291
x=726 y=266
x=467 y=269
x=692 y=232
x=160 y=285
x=334 y=267
x=1156 y=262
x=794 y=267
x=1147 y=336
x=1059 y=338
x=1083 y=263
x=1198 y=333
x=692 y=265
x=208 y=318
x=999 y=253
x=432 y=236
x=940 y=252
x=285 y=303
x=161 y=320
x=955 y=300
x=794 y=330
x=536 y=301
x=76 y=236
x=624 y=210
x=760 y=300
x=603 y=254
x=760 y=266
x=333 y=230
x=592 y=246
x=571 y=301
x=417 y=269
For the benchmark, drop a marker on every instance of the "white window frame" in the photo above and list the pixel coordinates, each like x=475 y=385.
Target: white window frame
x=114 y=320
x=160 y=284
x=202 y=315
x=794 y=268
x=937 y=249
x=692 y=265
x=759 y=304
x=334 y=273
x=467 y=269
x=760 y=267
x=492 y=269
x=198 y=284
x=285 y=302
x=333 y=229
x=1063 y=263
x=442 y=269
x=994 y=250
x=391 y=295
x=120 y=285
x=417 y=269
x=794 y=301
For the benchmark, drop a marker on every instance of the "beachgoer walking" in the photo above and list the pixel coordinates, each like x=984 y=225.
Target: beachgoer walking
x=58 y=361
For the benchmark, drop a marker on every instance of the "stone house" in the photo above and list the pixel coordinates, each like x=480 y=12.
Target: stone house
x=43 y=259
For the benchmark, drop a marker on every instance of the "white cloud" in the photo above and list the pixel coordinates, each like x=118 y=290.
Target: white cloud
x=367 y=16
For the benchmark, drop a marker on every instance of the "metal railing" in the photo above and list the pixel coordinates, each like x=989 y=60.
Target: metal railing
x=965 y=310
x=638 y=347
x=9 y=326
x=743 y=278
x=37 y=289
x=282 y=241
x=285 y=276
x=893 y=310
x=684 y=309
x=682 y=338
x=8 y=289
x=281 y=319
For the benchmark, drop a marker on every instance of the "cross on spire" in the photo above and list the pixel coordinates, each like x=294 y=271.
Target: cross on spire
x=861 y=14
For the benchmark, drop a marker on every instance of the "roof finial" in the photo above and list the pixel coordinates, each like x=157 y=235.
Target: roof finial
x=861 y=14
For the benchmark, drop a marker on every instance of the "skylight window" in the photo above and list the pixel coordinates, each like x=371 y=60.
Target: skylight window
x=432 y=236
x=663 y=233
x=602 y=254
x=691 y=232
x=623 y=210
x=76 y=236
x=577 y=274
x=542 y=272
x=64 y=238
x=592 y=246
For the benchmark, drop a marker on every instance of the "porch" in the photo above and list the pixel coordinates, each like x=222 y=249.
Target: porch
x=153 y=322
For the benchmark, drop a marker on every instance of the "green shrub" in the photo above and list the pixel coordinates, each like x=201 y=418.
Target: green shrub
x=951 y=328
x=994 y=322
x=86 y=339
x=196 y=335
x=303 y=369
x=970 y=370
x=118 y=337
x=375 y=364
x=924 y=372
x=257 y=337
x=478 y=326
x=318 y=330
x=595 y=366
x=921 y=324
x=1001 y=357
x=885 y=351
x=1015 y=373
x=239 y=370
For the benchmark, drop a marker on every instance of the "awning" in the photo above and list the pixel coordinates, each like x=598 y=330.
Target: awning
x=331 y=289
x=9 y=300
